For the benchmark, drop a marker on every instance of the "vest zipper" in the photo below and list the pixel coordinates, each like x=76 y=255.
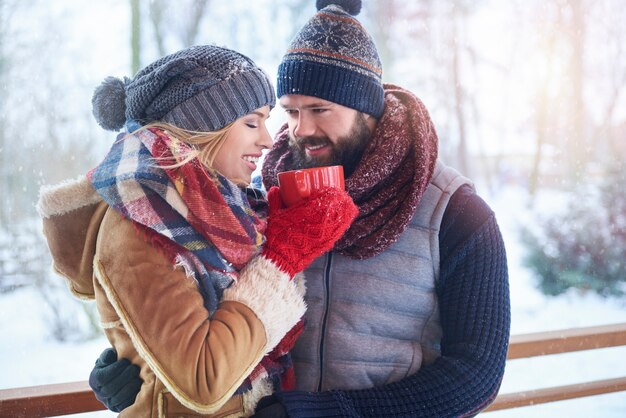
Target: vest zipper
x=329 y=260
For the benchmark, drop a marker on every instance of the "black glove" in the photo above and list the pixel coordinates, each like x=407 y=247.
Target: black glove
x=116 y=383
x=269 y=407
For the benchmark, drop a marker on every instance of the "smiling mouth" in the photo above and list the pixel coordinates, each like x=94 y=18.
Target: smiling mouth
x=251 y=161
x=317 y=150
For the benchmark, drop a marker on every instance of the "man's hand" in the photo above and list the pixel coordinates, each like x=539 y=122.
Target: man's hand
x=269 y=407
x=297 y=235
x=116 y=383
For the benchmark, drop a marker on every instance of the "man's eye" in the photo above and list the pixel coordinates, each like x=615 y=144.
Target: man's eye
x=251 y=125
x=290 y=111
x=319 y=110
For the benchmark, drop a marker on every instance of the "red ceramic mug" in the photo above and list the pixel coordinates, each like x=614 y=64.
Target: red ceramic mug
x=297 y=185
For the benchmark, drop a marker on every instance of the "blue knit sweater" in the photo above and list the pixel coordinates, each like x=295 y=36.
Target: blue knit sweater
x=473 y=295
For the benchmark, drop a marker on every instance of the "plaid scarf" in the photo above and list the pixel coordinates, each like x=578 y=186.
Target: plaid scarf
x=211 y=228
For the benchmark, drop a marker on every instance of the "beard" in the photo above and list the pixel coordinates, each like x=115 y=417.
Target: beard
x=346 y=151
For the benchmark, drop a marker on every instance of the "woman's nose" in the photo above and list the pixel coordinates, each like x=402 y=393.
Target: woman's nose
x=265 y=141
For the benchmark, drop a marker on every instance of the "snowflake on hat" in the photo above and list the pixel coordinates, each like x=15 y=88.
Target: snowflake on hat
x=329 y=33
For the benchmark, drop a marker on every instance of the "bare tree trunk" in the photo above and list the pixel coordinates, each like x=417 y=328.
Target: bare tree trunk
x=541 y=132
x=135 y=36
x=188 y=33
x=297 y=9
x=578 y=147
x=197 y=13
x=543 y=109
x=459 y=94
x=156 y=17
x=383 y=13
x=604 y=128
x=5 y=175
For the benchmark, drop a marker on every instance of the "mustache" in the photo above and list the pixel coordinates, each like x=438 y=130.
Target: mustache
x=310 y=141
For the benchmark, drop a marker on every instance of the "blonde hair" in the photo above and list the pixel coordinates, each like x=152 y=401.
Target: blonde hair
x=204 y=145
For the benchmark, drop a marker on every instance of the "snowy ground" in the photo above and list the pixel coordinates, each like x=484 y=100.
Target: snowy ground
x=29 y=357
x=533 y=312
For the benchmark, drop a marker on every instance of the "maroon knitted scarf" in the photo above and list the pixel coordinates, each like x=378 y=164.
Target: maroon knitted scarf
x=388 y=183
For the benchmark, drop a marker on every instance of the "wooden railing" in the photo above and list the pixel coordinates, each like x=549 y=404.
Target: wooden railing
x=76 y=397
x=557 y=342
x=48 y=400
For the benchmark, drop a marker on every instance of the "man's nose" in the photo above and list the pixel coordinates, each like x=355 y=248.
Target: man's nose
x=305 y=126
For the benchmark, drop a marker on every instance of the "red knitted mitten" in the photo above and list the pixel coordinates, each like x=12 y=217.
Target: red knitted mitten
x=298 y=234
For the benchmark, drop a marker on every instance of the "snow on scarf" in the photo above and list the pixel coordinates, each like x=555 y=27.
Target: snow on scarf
x=389 y=181
x=211 y=229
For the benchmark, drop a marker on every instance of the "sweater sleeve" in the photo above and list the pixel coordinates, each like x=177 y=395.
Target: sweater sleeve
x=474 y=305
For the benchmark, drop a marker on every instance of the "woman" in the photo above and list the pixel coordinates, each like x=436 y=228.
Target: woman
x=191 y=281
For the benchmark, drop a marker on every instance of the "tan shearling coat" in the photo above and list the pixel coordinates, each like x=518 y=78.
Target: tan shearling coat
x=153 y=313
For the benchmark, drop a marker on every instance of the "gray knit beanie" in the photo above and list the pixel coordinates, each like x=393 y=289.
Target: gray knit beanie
x=334 y=58
x=201 y=88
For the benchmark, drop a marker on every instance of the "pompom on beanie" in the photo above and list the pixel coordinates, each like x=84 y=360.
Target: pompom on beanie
x=202 y=88
x=334 y=58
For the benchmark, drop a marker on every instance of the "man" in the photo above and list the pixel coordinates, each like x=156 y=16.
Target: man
x=409 y=314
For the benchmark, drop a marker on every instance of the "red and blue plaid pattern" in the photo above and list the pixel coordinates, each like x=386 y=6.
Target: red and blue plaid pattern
x=215 y=225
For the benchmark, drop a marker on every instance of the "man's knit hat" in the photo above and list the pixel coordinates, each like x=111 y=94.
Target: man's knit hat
x=201 y=88
x=334 y=58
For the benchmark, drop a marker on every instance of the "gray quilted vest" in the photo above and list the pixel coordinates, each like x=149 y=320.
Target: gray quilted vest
x=375 y=321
